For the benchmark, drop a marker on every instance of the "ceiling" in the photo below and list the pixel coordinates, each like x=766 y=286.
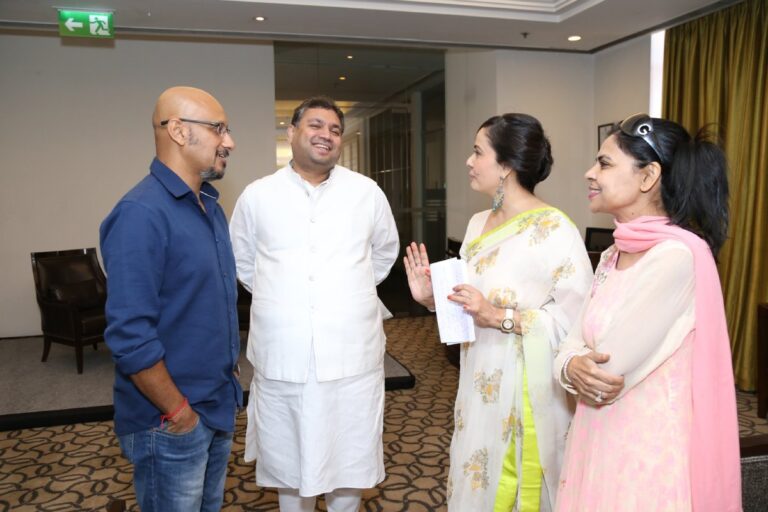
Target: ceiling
x=534 y=24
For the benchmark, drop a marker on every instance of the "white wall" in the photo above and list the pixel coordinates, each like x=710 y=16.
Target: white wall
x=569 y=93
x=622 y=80
x=556 y=88
x=622 y=87
x=470 y=99
x=75 y=136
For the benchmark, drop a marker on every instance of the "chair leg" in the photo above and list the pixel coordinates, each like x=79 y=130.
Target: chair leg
x=46 y=348
x=79 y=357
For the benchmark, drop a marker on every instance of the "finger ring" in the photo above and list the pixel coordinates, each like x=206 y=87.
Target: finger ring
x=599 y=397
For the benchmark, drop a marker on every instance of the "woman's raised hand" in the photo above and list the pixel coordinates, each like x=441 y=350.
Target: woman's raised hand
x=417 y=269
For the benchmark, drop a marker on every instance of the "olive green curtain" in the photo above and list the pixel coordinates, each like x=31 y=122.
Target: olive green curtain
x=716 y=73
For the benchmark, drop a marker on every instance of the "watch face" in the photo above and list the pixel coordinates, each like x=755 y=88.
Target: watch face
x=507 y=324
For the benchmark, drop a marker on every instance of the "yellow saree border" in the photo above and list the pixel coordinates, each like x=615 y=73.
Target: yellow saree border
x=530 y=475
x=502 y=231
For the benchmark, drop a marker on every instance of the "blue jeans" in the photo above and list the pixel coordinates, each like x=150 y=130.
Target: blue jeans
x=178 y=472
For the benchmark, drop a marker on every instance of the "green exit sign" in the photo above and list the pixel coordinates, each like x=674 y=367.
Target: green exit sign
x=86 y=24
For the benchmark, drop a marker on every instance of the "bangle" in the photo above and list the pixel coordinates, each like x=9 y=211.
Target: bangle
x=171 y=416
x=565 y=368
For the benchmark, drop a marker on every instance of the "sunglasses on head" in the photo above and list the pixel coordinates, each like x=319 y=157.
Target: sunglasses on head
x=641 y=125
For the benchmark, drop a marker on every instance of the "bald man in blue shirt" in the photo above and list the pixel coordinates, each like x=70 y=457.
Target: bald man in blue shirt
x=171 y=311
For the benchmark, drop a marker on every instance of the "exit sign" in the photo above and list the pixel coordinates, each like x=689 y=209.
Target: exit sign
x=86 y=24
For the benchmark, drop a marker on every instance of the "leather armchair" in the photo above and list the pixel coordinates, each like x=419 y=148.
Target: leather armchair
x=71 y=292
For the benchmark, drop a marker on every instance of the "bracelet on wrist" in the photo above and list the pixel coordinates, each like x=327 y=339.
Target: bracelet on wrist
x=565 y=368
x=173 y=415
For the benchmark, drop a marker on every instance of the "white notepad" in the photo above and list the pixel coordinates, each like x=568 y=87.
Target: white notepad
x=455 y=324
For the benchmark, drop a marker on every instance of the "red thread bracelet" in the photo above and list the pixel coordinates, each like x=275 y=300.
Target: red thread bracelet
x=169 y=417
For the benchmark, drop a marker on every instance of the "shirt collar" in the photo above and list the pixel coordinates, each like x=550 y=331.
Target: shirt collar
x=174 y=184
x=300 y=180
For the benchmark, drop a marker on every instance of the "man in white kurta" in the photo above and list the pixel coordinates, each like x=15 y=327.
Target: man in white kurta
x=311 y=243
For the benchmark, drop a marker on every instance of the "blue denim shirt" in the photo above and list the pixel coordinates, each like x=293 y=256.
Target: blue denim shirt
x=171 y=295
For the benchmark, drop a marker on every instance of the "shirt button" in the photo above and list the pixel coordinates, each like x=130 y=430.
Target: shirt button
x=313 y=249
x=311 y=278
x=312 y=220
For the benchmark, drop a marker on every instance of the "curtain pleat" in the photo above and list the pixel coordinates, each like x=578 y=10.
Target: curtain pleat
x=715 y=73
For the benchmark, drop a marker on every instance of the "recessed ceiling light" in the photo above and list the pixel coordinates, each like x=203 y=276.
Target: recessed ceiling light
x=282 y=123
x=342 y=77
x=574 y=38
x=259 y=18
x=350 y=57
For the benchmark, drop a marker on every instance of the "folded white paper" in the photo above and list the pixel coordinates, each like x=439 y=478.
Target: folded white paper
x=455 y=324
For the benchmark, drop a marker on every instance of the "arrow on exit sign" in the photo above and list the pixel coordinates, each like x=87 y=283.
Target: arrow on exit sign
x=86 y=24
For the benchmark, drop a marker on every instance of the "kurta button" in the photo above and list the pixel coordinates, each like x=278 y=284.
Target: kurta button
x=312 y=220
x=311 y=278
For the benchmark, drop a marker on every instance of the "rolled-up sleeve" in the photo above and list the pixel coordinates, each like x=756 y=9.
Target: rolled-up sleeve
x=133 y=245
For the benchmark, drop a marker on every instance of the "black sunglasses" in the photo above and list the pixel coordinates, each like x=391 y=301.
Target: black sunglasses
x=641 y=125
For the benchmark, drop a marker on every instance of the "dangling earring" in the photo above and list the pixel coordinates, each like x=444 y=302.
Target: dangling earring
x=498 y=197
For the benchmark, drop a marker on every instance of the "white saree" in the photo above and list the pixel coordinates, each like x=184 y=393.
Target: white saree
x=536 y=261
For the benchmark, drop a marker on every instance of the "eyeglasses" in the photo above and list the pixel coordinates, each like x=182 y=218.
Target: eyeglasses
x=641 y=125
x=220 y=127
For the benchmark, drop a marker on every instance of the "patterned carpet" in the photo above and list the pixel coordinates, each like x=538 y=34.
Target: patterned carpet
x=79 y=467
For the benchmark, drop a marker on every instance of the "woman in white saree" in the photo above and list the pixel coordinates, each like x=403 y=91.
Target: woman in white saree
x=528 y=273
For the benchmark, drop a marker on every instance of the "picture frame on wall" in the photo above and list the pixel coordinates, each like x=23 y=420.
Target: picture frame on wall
x=602 y=133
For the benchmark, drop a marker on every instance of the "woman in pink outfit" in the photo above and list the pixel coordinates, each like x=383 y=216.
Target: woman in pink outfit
x=655 y=427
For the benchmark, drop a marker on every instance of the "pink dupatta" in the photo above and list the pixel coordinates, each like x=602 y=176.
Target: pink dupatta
x=715 y=461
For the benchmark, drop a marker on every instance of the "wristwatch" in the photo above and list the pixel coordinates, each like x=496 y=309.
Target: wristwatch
x=508 y=324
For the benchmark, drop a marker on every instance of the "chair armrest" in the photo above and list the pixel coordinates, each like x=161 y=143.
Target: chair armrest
x=59 y=318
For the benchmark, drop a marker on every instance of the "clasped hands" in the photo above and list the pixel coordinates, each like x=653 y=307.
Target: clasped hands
x=594 y=385
x=470 y=298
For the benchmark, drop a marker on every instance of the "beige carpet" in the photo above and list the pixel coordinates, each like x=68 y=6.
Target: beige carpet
x=79 y=467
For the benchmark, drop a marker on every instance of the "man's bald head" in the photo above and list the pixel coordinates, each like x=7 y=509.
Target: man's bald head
x=184 y=102
x=191 y=134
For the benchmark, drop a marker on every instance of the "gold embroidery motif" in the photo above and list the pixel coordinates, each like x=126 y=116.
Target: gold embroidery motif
x=565 y=270
x=459 y=420
x=527 y=319
x=486 y=262
x=541 y=223
x=477 y=469
x=488 y=386
x=510 y=424
x=502 y=297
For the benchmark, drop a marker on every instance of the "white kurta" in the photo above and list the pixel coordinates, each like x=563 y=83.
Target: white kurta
x=538 y=261
x=312 y=257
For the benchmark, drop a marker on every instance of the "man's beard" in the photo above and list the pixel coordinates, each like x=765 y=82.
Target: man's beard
x=211 y=174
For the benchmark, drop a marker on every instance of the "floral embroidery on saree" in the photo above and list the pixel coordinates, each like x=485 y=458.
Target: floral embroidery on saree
x=477 y=469
x=488 y=385
x=486 y=262
x=511 y=424
x=502 y=297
